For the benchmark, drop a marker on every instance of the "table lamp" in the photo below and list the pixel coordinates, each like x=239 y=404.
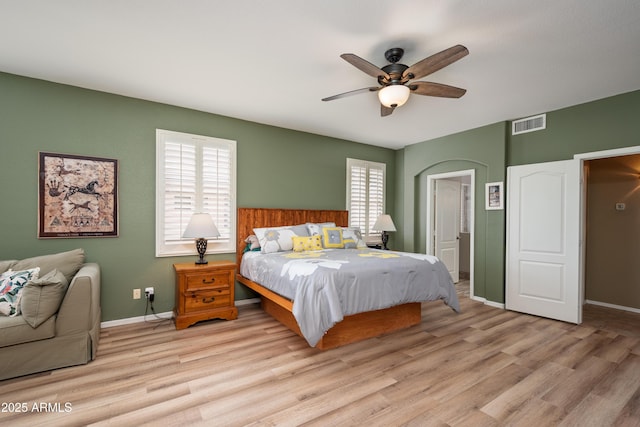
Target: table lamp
x=384 y=223
x=201 y=226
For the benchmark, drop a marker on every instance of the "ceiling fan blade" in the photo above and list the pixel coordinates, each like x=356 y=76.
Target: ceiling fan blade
x=436 y=89
x=386 y=111
x=435 y=62
x=352 y=92
x=365 y=66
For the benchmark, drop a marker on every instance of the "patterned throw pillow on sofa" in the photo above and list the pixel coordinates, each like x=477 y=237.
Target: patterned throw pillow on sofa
x=11 y=284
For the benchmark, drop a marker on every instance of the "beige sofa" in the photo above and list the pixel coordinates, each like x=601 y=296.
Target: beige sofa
x=59 y=323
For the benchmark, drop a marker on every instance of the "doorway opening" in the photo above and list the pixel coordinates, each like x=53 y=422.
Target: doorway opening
x=450 y=223
x=553 y=246
x=611 y=205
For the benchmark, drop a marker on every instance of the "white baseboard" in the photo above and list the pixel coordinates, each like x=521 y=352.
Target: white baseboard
x=248 y=301
x=487 y=302
x=166 y=315
x=479 y=299
x=617 y=307
x=139 y=319
x=495 y=304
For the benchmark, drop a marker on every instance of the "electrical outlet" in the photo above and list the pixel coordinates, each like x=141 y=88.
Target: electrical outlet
x=136 y=294
x=149 y=293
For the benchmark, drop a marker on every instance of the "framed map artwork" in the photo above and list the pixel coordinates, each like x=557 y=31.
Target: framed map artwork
x=78 y=196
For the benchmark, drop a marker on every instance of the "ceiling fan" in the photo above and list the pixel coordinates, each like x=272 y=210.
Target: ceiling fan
x=395 y=79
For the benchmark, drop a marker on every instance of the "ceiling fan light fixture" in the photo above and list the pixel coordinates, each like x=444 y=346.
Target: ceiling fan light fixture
x=394 y=96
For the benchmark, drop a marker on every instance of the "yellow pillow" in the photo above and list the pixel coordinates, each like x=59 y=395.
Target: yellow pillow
x=332 y=237
x=306 y=243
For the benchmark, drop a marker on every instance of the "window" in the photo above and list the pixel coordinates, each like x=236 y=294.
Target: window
x=365 y=195
x=194 y=174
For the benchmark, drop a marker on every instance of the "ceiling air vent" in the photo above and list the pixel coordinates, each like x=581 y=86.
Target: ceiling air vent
x=529 y=124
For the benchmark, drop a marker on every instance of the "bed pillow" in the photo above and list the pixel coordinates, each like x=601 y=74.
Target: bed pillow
x=352 y=238
x=41 y=298
x=307 y=243
x=316 y=228
x=278 y=239
x=11 y=285
x=332 y=238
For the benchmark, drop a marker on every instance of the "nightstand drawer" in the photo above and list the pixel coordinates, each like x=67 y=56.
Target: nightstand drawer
x=204 y=300
x=208 y=280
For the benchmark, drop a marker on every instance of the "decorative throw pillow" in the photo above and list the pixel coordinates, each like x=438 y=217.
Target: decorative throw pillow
x=252 y=242
x=278 y=239
x=41 y=298
x=353 y=238
x=332 y=237
x=11 y=284
x=314 y=228
x=307 y=243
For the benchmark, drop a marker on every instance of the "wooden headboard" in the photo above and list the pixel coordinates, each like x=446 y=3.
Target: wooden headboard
x=250 y=218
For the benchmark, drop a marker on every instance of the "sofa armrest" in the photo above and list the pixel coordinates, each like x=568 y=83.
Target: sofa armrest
x=81 y=303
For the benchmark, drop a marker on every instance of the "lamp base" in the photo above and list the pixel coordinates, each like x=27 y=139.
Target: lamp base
x=201 y=247
x=385 y=239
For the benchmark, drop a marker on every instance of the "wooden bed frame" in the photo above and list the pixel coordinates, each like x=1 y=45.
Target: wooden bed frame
x=352 y=328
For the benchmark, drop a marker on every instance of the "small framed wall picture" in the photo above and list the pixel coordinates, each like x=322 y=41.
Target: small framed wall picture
x=494 y=196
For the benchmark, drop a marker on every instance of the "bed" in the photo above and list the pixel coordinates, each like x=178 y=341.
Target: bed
x=352 y=327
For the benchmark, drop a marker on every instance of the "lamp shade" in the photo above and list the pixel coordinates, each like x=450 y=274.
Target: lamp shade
x=384 y=223
x=394 y=95
x=201 y=225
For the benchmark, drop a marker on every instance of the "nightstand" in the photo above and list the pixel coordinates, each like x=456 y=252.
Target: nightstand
x=204 y=292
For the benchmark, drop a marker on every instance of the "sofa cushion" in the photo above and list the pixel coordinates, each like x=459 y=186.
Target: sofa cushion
x=7 y=265
x=67 y=262
x=15 y=330
x=11 y=285
x=41 y=297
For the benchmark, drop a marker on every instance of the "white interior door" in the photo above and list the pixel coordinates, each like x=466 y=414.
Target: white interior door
x=447 y=225
x=543 y=275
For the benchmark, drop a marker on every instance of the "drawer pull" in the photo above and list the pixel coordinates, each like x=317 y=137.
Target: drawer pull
x=213 y=279
x=205 y=300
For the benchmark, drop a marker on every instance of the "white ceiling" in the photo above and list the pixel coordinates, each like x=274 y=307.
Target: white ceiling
x=272 y=61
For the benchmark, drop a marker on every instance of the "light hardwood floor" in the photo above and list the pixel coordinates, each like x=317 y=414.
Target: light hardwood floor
x=483 y=367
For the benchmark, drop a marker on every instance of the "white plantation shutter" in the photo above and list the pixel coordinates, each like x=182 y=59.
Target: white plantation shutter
x=376 y=198
x=216 y=189
x=179 y=183
x=357 y=203
x=194 y=174
x=365 y=195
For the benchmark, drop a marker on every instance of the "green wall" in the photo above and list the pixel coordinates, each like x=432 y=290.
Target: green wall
x=482 y=150
x=276 y=168
x=595 y=126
